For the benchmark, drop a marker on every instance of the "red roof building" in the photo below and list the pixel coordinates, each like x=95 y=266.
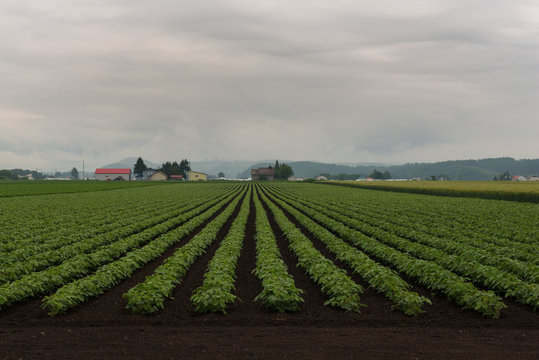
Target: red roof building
x=113 y=174
x=263 y=173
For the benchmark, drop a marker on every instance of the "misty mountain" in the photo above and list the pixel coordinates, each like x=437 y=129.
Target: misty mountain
x=483 y=169
x=129 y=162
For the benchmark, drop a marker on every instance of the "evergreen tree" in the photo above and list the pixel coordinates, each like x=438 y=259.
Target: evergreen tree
x=74 y=174
x=185 y=167
x=380 y=175
x=176 y=169
x=139 y=166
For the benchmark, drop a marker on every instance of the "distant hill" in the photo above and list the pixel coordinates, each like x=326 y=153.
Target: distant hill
x=482 y=169
x=231 y=169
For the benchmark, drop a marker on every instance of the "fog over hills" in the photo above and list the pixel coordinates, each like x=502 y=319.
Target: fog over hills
x=482 y=169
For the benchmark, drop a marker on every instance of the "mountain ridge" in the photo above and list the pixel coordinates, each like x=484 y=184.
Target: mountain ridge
x=472 y=169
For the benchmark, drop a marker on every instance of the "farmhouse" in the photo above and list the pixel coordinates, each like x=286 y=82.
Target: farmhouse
x=196 y=176
x=263 y=173
x=158 y=176
x=113 y=174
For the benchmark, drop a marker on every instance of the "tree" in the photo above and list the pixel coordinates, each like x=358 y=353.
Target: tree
x=7 y=175
x=505 y=176
x=283 y=171
x=176 y=169
x=380 y=175
x=170 y=168
x=221 y=174
x=185 y=167
x=74 y=174
x=139 y=166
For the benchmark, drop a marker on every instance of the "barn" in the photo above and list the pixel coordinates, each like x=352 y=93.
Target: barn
x=196 y=176
x=158 y=176
x=113 y=174
x=263 y=173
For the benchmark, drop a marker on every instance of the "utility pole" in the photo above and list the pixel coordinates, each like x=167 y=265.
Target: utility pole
x=82 y=169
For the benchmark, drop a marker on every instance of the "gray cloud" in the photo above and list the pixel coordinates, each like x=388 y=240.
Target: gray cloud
x=330 y=81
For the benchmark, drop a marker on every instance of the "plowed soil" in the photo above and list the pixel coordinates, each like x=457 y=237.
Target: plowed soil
x=103 y=329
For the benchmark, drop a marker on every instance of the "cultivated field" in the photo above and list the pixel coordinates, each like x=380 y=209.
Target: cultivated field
x=264 y=270
x=527 y=191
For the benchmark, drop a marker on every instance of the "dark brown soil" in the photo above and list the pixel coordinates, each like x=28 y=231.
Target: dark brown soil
x=103 y=329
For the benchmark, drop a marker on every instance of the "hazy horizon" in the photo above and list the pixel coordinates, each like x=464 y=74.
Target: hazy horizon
x=339 y=82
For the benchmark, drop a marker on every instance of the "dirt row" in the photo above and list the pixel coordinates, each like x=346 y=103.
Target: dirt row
x=102 y=328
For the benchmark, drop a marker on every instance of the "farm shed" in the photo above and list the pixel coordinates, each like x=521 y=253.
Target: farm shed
x=113 y=174
x=158 y=176
x=176 y=177
x=263 y=173
x=196 y=176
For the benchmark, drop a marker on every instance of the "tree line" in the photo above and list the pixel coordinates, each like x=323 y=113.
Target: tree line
x=168 y=168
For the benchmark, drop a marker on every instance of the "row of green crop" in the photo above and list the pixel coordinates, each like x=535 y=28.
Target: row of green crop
x=45 y=281
x=73 y=232
x=112 y=273
x=19 y=220
x=484 y=219
x=466 y=264
x=472 y=249
x=14 y=267
x=342 y=291
x=379 y=277
x=499 y=223
x=38 y=219
x=509 y=220
x=444 y=229
x=44 y=187
x=149 y=296
x=427 y=273
x=36 y=226
x=279 y=292
x=505 y=258
x=216 y=292
x=41 y=219
x=506 y=228
x=504 y=190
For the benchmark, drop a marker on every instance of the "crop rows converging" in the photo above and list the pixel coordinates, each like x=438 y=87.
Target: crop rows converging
x=70 y=247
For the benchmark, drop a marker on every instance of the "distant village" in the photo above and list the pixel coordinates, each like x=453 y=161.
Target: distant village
x=174 y=171
x=147 y=175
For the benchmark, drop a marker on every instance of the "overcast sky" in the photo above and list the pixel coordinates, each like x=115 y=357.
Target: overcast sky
x=335 y=81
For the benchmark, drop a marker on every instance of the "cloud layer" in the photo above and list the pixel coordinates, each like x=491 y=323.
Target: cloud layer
x=305 y=80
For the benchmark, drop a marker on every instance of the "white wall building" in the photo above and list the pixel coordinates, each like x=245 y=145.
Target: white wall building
x=113 y=174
